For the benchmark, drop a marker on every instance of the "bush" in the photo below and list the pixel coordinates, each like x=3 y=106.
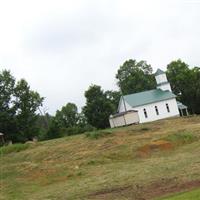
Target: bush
x=13 y=148
x=97 y=134
x=57 y=132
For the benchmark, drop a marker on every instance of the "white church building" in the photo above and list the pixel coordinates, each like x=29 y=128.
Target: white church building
x=149 y=105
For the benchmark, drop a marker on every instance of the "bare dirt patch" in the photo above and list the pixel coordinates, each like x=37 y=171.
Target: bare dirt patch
x=160 y=188
x=147 y=149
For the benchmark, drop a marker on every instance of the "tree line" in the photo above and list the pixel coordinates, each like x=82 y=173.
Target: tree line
x=19 y=105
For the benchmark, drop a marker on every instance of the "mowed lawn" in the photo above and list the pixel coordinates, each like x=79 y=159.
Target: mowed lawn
x=142 y=161
x=195 y=194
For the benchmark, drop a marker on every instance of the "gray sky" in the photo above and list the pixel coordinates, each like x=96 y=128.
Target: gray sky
x=62 y=47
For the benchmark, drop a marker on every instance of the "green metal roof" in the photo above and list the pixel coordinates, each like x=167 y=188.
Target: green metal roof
x=147 y=97
x=159 y=72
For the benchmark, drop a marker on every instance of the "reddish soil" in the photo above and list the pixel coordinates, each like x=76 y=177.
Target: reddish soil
x=160 y=188
x=147 y=149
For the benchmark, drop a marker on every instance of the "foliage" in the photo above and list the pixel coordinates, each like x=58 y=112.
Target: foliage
x=185 y=83
x=68 y=121
x=98 y=107
x=114 y=97
x=26 y=104
x=7 y=109
x=67 y=116
x=18 y=106
x=135 y=76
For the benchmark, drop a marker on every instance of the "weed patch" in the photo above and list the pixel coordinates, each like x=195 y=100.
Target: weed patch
x=97 y=134
x=181 y=138
x=145 y=129
x=13 y=148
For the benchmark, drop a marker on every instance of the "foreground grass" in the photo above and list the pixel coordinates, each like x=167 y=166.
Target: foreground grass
x=94 y=165
x=13 y=148
x=193 y=195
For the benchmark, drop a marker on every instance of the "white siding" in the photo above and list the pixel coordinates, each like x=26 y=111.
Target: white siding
x=151 y=112
x=162 y=109
x=121 y=106
x=126 y=119
x=132 y=118
x=162 y=78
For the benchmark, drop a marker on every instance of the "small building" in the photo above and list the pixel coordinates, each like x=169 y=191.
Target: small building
x=124 y=118
x=153 y=104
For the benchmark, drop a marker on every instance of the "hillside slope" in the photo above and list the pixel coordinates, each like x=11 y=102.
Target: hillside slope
x=136 y=162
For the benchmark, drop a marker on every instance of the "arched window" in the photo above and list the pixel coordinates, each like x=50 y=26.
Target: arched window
x=145 y=113
x=157 y=112
x=167 y=106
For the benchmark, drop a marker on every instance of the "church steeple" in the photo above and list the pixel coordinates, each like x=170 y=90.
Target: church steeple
x=161 y=80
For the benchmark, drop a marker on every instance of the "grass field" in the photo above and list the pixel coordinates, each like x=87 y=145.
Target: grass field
x=195 y=194
x=147 y=161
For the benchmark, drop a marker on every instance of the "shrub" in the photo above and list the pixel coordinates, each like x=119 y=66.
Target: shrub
x=13 y=148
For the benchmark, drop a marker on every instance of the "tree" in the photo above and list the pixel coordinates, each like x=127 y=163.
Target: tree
x=114 y=97
x=98 y=107
x=135 y=76
x=7 y=110
x=68 y=115
x=64 y=122
x=26 y=104
x=177 y=72
x=185 y=83
x=18 y=106
x=195 y=76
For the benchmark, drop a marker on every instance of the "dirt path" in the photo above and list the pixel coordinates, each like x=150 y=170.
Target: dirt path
x=155 y=189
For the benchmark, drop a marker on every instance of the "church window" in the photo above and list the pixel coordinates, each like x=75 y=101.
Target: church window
x=157 y=112
x=145 y=113
x=167 y=106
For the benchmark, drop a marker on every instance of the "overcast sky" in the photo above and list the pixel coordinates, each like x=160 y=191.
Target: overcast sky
x=62 y=47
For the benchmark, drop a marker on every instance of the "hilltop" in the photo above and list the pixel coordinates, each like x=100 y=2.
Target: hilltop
x=146 y=161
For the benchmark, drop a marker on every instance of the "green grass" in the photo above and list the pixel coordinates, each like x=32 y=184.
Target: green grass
x=192 y=195
x=98 y=134
x=83 y=166
x=181 y=137
x=13 y=148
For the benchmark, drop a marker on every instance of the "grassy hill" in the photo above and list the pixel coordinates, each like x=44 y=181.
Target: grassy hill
x=147 y=161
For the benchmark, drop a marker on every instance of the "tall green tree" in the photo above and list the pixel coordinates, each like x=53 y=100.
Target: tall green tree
x=135 y=76
x=177 y=72
x=114 y=97
x=26 y=104
x=64 y=121
x=98 y=107
x=68 y=115
x=7 y=109
x=185 y=82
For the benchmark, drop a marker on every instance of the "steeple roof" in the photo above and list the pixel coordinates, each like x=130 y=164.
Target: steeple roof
x=159 y=72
